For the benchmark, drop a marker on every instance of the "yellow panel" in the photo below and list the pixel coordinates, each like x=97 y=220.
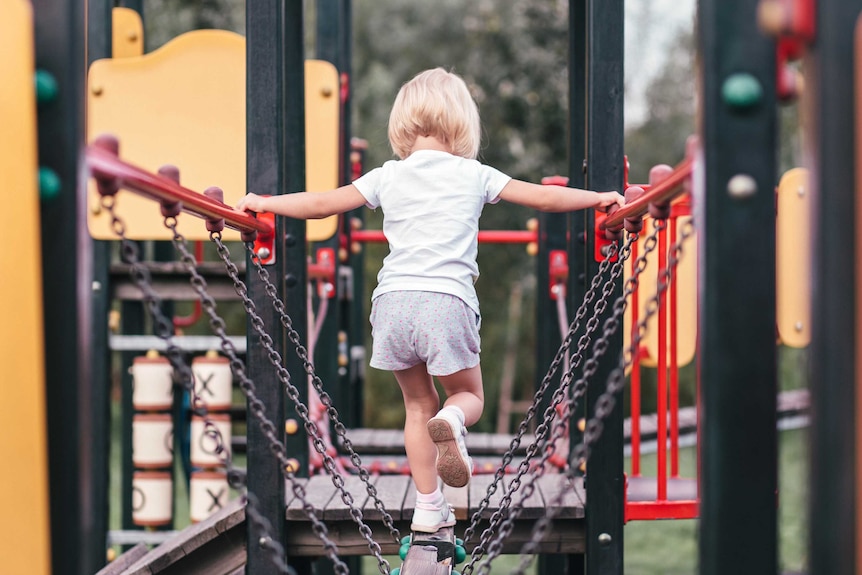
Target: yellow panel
x=128 y=33
x=321 y=139
x=184 y=104
x=686 y=301
x=24 y=531
x=793 y=259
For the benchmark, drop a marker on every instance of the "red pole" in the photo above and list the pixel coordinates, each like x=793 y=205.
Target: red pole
x=635 y=378
x=674 y=368
x=662 y=373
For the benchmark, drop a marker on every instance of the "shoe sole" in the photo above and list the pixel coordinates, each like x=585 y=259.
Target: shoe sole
x=451 y=466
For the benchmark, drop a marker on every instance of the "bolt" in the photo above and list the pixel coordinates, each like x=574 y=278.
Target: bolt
x=800 y=191
x=605 y=539
x=326 y=91
x=605 y=250
x=798 y=326
x=263 y=542
x=97 y=286
x=97 y=90
x=290 y=280
x=741 y=186
x=289 y=240
x=291 y=426
x=741 y=91
x=263 y=253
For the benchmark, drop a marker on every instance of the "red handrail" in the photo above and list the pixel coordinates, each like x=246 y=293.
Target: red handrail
x=661 y=193
x=105 y=165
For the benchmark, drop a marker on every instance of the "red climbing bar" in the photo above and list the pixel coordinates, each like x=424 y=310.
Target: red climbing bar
x=105 y=165
x=485 y=236
x=661 y=193
x=635 y=374
x=674 y=364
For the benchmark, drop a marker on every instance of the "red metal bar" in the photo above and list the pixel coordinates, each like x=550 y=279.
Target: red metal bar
x=648 y=510
x=660 y=193
x=661 y=438
x=674 y=367
x=485 y=236
x=105 y=165
x=635 y=377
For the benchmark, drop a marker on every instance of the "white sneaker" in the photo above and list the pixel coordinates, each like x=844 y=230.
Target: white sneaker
x=454 y=466
x=432 y=520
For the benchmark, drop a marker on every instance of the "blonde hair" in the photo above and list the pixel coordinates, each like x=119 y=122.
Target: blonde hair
x=435 y=103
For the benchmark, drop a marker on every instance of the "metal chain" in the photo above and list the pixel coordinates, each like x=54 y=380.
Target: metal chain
x=502 y=522
x=301 y=408
x=325 y=398
x=537 y=400
x=255 y=405
x=164 y=329
x=615 y=384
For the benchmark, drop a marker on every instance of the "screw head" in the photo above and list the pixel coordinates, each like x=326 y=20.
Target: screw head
x=263 y=253
x=605 y=539
x=741 y=186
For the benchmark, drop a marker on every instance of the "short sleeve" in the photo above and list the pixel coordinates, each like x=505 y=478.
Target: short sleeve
x=369 y=186
x=493 y=181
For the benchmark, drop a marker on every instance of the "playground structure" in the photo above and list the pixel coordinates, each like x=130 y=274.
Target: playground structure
x=733 y=169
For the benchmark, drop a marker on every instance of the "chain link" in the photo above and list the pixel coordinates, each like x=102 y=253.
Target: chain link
x=255 y=405
x=502 y=522
x=537 y=400
x=615 y=383
x=325 y=398
x=164 y=329
x=301 y=408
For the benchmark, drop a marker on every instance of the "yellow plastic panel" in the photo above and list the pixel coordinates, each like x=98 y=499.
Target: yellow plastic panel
x=321 y=139
x=128 y=33
x=793 y=259
x=184 y=104
x=25 y=541
x=686 y=301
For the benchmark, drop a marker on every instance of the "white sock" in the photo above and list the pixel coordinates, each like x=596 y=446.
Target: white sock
x=433 y=500
x=453 y=410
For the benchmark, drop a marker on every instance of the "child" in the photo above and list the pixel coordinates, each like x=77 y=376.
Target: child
x=425 y=314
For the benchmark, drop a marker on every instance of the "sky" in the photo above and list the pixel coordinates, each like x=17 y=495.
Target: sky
x=650 y=26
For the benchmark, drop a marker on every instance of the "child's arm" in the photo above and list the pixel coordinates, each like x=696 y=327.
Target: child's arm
x=558 y=198
x=305 y=205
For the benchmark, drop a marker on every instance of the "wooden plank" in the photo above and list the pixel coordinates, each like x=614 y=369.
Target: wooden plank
x=124 y=561
x=318 y=491
x=478 y=488
x=431 y=553
x=336 y=509
x=531 y=507
x=564 y=536
x=458 y=497
x=574 y=497
x=391 y=490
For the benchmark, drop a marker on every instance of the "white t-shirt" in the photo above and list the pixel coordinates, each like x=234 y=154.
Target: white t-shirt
x=431 y=204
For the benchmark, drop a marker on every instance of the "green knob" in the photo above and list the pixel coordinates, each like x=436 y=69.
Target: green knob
x=46 y=87
x=460 y=554
x=741 y=91
x=403 y=551
x=396 y=571
x=49 y=183
x=459 y=541
x=405 y=540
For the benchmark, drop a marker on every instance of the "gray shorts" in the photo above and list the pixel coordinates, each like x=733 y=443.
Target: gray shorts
x=411 y=327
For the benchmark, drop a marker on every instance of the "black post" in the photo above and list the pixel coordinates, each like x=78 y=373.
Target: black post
x=829 y=80
x=275 y=161
x=604 y=171
x=576 y=222
x=99 y=30
x=61 y=52
x=736 y=227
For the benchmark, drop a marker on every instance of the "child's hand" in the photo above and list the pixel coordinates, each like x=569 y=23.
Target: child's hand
x=251 y=203
x=608 y=199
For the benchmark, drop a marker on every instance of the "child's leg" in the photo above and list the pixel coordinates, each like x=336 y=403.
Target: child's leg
x=464 y=390
x=447 y=429
x=421 y=403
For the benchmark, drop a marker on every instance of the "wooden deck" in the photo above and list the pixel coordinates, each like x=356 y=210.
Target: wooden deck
x=218 y=545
